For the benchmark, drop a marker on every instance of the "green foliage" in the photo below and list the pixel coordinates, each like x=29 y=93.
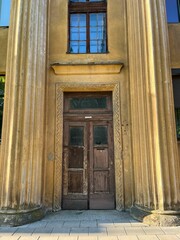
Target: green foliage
x=177 y=114
x=2 y=85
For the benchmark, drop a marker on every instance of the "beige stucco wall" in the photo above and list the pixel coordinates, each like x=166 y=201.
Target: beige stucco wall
x=3 y=49
x=117 y=52
x=174 y=40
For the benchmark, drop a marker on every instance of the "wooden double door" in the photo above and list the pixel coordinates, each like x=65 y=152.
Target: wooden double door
x=88 y=162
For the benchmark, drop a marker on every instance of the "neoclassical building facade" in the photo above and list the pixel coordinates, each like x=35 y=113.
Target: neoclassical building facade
x=89 y=119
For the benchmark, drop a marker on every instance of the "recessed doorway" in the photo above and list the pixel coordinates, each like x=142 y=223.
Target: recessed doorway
x=88 y=151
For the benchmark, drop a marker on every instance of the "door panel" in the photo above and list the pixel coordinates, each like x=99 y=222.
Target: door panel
x=75 y=192
x=101 y=160
x=101 y=181
x=101 y=166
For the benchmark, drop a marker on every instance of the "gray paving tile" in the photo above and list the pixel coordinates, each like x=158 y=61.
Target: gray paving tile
x=127 y=238
x=147 y=237
x=9 y=238
x=35 y=225
x=28 y=238
x=43 y=230
x=79 y=231
x=88 y=238
x=97 y=231
x=24 y=231
x=55 y=224
x=171 y=230
x=47 y=238
x=5 y=234
x=108 y=238
x=7 y=230
x=115 y=231
x=67 y=238
x=88 y=223
x=122 y=224
x=105 y=224
x=167 y=237
x=63 y=230
x=153 y=230
x=71 y=224
x=134 y=231
x=135 y=223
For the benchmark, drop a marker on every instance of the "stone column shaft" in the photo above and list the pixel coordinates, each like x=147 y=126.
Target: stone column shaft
x=24 y=111
x=155 y=156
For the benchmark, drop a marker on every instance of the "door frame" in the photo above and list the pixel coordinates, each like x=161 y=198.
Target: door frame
x=118 y=161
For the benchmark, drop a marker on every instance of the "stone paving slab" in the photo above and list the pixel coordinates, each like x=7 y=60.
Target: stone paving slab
x=79 y=231
x=9 y=238
x=168 y=237
x=134 y=231
x=171 y=230
x=116 y=231
x=153 y=230
x=71 y=224
x=49 y=238
x=145 y=237
x=88 y=238
x=29 y=238
x=89 y=225
x=108 y=238
x=66 y=238
x=128 y=238
x=59 y=231
x=98 y=231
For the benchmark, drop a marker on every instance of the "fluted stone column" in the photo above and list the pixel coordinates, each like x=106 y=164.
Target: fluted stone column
x=21 y=187
x=155 y=156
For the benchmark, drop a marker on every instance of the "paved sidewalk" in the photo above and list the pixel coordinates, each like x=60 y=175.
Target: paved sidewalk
x=89 y=225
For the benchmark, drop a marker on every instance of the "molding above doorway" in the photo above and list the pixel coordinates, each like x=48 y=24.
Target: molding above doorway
x=77 y=87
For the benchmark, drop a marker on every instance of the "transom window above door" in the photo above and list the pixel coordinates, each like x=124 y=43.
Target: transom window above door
x=88 y=102
x=87 y=26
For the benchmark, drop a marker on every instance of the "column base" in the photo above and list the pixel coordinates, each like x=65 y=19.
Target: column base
x=20 y=217
x=156 y=218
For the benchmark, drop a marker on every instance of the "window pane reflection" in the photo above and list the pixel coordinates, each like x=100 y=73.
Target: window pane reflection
x=5 y=6
x=87 y=26
x=78 y=33
x=97 y=32
x=172 y=11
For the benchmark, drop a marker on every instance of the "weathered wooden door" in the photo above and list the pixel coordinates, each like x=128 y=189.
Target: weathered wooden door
x=88 y=163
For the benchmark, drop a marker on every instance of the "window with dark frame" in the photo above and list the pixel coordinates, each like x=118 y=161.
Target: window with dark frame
x=173 y=11
x=87 y=26
x=2 y=85
x=176 y=90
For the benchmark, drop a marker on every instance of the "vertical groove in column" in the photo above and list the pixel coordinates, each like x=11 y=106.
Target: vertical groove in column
x=153 y=128
x=139 y=105
x=23 y=126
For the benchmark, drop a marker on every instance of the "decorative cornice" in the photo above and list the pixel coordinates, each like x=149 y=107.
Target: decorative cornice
x=84 y=68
